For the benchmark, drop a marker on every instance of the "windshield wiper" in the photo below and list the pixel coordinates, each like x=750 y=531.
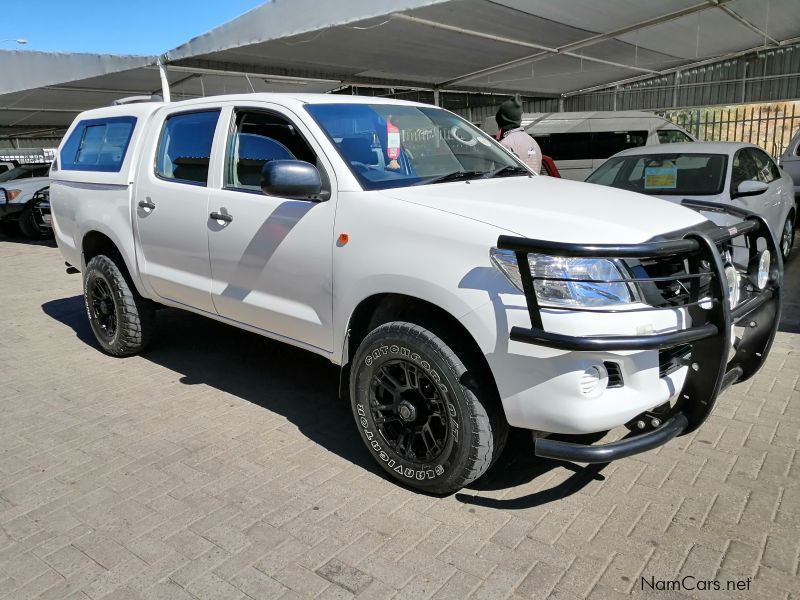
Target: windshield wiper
x=507 y=170
x=454 y=176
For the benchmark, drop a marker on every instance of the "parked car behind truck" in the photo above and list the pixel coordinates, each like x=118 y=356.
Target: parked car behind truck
x=728 y=173
x=790 y=162
x=17 y=189
x=458 y=298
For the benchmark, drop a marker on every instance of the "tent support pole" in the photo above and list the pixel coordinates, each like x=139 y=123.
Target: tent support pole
x=162 y=71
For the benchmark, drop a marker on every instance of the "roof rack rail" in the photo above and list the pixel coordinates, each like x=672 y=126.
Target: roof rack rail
x=138 y=99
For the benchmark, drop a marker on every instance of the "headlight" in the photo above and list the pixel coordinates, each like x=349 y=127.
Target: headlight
x=589 y=291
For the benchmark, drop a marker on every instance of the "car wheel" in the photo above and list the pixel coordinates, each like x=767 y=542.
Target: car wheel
x=787 y=237
x=28 y=225
x=121 y=320
x=417 y=412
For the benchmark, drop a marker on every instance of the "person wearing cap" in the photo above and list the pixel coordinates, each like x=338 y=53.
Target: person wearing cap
x=513 y=136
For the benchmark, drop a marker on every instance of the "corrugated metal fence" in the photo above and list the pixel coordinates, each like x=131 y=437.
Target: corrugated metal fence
x=770 y=126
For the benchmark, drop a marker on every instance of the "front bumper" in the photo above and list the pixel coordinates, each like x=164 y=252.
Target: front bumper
x=710 y=368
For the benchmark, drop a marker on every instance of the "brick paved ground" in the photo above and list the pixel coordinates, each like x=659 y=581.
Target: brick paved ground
x=221 y=465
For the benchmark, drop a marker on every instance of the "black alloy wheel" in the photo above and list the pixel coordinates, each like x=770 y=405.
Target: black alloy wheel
x=409 y=411
x=104 y=310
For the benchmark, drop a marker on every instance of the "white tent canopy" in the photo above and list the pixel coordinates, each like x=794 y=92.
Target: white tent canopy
x=535 y=47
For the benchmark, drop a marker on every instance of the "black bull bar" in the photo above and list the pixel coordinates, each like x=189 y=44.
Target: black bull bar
x=709 y=336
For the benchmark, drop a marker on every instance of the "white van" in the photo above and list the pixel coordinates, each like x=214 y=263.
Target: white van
x=579 y=142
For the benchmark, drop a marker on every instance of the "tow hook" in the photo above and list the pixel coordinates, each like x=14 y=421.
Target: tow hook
x=649 y=420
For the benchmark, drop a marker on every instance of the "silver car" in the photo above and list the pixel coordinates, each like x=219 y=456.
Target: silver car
x=731 y=173
x=790 y=162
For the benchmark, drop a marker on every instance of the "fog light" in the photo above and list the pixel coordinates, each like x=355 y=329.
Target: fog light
x=732 y=276
x=594 y=380
x=761 y=275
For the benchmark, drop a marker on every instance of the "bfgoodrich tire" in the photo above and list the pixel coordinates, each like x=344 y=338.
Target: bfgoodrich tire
x=419 y=420
x=121 y=320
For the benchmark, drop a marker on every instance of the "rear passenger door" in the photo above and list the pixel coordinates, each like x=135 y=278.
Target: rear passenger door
x=271 y=256
x=171 y=208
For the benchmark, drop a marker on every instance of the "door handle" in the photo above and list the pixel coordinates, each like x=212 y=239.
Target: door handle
x=217 y=216
x=147 y=204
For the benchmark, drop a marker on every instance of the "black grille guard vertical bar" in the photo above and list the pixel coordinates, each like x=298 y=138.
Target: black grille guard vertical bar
x=710 y=371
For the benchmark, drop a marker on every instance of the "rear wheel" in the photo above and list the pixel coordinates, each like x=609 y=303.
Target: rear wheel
x=121 y=320
x=419 y=417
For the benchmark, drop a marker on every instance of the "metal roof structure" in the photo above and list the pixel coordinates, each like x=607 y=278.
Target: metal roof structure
x=538 y=48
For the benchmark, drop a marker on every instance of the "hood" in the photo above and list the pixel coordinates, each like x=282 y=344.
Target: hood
x=555 y=209
x=718 y=218
x=25 y=183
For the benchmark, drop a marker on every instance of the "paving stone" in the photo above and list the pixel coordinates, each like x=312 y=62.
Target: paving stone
x=214 y=466
x=345 y=576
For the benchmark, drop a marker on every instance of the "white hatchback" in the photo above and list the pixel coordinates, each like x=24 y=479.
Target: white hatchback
x=729 y=173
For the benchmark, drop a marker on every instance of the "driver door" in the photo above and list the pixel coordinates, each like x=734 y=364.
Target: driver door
x=270 y=256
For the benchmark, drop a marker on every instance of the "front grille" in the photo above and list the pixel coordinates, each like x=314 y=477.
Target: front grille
x=672 y=359
x=676 y=290
x=614 y=374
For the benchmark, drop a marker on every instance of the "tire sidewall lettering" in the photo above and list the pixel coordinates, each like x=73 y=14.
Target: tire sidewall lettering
x=375 y=441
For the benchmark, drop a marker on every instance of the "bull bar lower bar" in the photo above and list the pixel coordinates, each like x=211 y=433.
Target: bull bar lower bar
x=709 y=336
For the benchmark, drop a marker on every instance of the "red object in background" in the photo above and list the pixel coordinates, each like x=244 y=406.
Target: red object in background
x=393 y=141
x=549 y=167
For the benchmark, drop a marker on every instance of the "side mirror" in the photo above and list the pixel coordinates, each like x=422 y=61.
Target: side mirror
x=291 y=179
x=751 y=188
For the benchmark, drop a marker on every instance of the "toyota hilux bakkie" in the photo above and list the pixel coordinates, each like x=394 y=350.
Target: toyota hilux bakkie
x=460 y=293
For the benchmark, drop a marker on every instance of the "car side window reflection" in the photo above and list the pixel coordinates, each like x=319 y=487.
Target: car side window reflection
x=260 y=137
x=744 y=169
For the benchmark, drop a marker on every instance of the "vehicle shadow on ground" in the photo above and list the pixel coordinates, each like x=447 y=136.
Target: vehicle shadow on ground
x=518 y=465
x=303 y=388
x=17 y=238
x=296 y=384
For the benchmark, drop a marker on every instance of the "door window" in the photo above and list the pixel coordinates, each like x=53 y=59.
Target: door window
x=587 y=146
x=767 y=171
x=261 y=137
x=565 y=146
x=744 y=169
x=608 y=143
x=672 y=136
x=184 y=150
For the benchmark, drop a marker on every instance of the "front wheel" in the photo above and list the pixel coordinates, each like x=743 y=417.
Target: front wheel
x=122 y=321
x=787 y=237
x=419 y=410
x=29 y=224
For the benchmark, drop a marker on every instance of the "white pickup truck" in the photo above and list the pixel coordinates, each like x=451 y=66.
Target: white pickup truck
x=460 y=293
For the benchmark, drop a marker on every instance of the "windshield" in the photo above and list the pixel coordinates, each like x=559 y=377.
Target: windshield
x=390 y=145
x=665 y=174
x=23 y=172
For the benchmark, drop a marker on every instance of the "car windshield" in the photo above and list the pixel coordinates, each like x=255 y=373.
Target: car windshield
x=665 y=174
x=23 y=172
x=391 y=145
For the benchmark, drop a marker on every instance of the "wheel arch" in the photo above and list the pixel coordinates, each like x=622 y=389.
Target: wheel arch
x=95 y=242
x=377 y=309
